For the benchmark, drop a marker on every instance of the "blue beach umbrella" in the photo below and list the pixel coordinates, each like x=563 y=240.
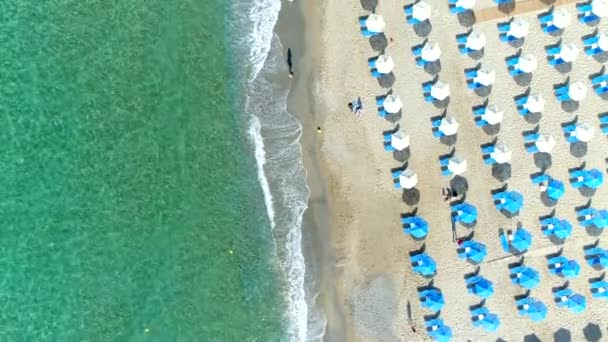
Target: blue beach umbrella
x=600 y=219
x=593 y=178
x=561 y=229
x=571 y=269
x=576 y=303
x=480 y=286
x=597 y=257
x=599 y=289
x=442 y=334
x=415 y=226
x=432 y=299
x=423 y=264
x=473 y=251
x=490 y=322
x=555 y=189
x=511 y=201
x=522 y=240
x=465 y=212
x=537 y=311
x=525 y=277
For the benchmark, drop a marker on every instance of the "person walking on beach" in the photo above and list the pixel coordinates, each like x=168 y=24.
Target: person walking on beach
x=289 y=62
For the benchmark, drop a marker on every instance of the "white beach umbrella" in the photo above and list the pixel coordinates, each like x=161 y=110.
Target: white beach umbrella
x=440 y=90
x=476 y=40
x=400 y=141
x=457 y=165
x=501 y=154
x=569 y=52
x=466 y=4
x=561 y=18
x=535 y=103
x=577 y=91
x=421 y=11
x=485 y=76
x=545 y=143
x=527 y=63
x=519 y=28
x=448 y=126
x=408 y=179
x=375 y=23
x=602 y=42
x=384 y=64
x=584 y=131
x=392 y=104
x=599 y=8
x=493 y=115
x=430 y=52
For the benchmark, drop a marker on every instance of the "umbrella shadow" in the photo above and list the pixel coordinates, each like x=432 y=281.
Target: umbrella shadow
x=517 y=43
x=369 y=5
x=387 y=80
x=442 y=104
x=542 y=160
x=483 y=91
x=532 y=338
x=449 y=140
x=403 y=155
x=459 y=184
x=506 y=7
x=394 y=117
x=501 y=172
x=411 y=197
x=466 y=18
x=477 y=55
x=562 y=335
x=423 y=29
x=378 y=42
x=533 y=118
x=601 y=57
x=523 y=79
x=546 y=200
x=592 y=332
x=586 y=191
x=491 y=129
x=433 y=68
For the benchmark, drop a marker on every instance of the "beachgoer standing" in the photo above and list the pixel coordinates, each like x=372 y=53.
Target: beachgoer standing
x=289 y=62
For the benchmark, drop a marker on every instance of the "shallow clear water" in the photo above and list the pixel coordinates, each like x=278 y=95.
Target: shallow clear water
x=127 y=178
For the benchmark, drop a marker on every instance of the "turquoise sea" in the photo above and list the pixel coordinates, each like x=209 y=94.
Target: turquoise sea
x=130 y=203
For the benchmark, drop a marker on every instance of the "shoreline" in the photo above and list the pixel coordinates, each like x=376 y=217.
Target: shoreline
x=300 y=28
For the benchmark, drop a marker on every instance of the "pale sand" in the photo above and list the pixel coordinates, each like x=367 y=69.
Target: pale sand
x=373 y=279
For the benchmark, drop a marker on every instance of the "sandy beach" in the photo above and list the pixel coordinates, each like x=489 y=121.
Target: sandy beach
x=368 y=290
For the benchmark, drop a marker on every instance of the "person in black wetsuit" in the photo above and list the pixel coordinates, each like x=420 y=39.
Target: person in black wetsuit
x=289 y=62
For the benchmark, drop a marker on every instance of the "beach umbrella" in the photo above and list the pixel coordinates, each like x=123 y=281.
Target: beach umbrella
x=457 y=165
x=501 y=154
x=537 y=311
x=602 y=42
x=400 y=141
x=421 y=11
x=584 y=131
x=489 y=321
x=527 y=63
x=545 y=143
x=593 y=178
x=535 y=103
x=430 y=52
x=561 y=18
x=576 y=303
x=480 y=286
x=375 y=23
x=555 y=189
x=519 y=28
x=561 y=229
x=465 y=212
x=485 y=76
x=600 y=219
x=423 y=264
x=599 y=8
x=511 y=201
x=441 y=333
x=476 y=40
x=466 y=4
x=570 y=269
x=569 y=52
x=577 y=91
x=440 y=90
x=493 y=115
x=597 y=257
x=448 y=126
x=472 y=250
x=599 y=289
x=525 y=277
x=432 y=299
x=416 y=226
x=521 y=240
x=384 y=64
x=408 y=179
x=392 y=104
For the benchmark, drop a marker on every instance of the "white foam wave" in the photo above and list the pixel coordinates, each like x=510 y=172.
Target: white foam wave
x=260 y=158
